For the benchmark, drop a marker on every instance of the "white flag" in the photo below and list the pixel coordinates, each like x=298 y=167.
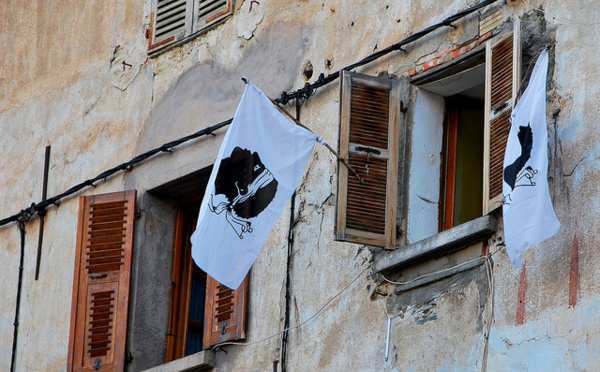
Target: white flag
x=259 y=165
x=529 y=218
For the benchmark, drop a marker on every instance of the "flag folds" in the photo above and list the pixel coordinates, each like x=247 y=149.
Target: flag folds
x=259 y=165
x=529 y=217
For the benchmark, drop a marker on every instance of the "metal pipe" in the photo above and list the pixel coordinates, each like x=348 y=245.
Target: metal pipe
x=13 y=358
x=387 y=342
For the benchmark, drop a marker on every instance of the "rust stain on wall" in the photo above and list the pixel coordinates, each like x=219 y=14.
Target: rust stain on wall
x=574 y=274
x=521 y=297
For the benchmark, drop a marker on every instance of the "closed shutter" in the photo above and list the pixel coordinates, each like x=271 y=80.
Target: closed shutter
x=171 y=21
x=369 y=123
x=225 y=313
x=502 y=84
x=207 y=12
x=101 y=282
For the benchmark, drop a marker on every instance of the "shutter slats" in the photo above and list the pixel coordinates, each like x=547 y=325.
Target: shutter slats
x=368 y=125
x=208 y=12
x=225 y=312
x=502 y=73
x=367 y=202
x=208 y=7
x=101 y=284
x=502 y=83
x=170 y=18
x=174 y=20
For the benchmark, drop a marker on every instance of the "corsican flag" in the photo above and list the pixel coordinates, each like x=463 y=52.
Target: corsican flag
x=259 y=165
x=529 y=218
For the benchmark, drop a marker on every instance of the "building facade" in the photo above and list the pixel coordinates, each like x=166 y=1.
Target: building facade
x=405 y=270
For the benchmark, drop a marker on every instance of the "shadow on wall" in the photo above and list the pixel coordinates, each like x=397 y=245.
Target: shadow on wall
x=209 y=92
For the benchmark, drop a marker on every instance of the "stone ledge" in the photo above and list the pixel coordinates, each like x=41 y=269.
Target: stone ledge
x=201 y=361
x=455 y=237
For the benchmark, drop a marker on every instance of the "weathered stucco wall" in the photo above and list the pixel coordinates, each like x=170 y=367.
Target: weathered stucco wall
x=63 y=83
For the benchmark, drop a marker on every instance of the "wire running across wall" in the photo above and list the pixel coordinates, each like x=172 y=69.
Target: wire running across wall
x=300 y=94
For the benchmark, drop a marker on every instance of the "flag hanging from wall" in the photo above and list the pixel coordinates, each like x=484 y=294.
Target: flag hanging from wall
x=529 y=217
x=260 y=163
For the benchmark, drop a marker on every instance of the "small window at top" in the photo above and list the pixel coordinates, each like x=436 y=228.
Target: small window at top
x=176 y=21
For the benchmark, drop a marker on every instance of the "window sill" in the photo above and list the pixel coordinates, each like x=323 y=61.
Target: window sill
x=446 y=241
x=201 y=361
x=152 y=53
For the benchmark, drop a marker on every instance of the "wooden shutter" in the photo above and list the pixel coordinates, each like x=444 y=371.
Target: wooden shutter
x=225 y=313
x=502 y=84
x=369 y=123
x=208 y=12
x=171 y=21
x=101 y=282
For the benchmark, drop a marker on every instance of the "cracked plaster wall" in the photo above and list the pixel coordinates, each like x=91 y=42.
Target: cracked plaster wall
x=65 y=84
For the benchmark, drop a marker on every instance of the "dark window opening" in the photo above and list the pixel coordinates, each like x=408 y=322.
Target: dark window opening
x=462 y=161
x=189 y=287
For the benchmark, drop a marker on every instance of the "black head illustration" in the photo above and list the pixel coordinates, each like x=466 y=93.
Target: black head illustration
x=512 y=172
x=246 y=185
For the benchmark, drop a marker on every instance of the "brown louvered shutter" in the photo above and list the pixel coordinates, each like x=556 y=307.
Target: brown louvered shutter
x=502 y=84
x=171 y=21
x=207 y=12
x=101 y=282
x=225 y=313
x=369 y=123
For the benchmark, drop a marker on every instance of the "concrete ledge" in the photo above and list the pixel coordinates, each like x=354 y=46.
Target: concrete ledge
x=445 y=241
x=201 y=361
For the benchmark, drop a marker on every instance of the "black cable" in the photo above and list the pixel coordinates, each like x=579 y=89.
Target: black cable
x=35 y=208
x=302 y=93
x=288 y=278
x=13 y=357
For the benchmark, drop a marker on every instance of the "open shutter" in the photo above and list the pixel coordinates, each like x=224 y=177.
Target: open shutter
x=369 y=122
x=225 y=313
x=101 y=282
x=171 y=21
x=207 y=12
x=502 y=84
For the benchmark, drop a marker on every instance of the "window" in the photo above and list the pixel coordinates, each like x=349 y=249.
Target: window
x=462 y=159
x=204 y=312
x=460 y=129
x=369 y=140
x=173 y=21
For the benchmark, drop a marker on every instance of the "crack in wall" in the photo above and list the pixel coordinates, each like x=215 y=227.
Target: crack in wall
x=580 y=162
x=426 y=200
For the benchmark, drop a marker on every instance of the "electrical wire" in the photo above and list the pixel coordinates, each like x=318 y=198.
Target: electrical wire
x=491 y=294
x=301 y=94
x=302 y=323
x=433 y=273
x=13 y=358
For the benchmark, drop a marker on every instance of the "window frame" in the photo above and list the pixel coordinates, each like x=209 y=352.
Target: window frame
x=481 y=55
x=181 y=279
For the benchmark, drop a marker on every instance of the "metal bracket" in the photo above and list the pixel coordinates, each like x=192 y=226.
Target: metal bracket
x=500 y=108
x=97 y=364
x=98 y=276
x=369 y=150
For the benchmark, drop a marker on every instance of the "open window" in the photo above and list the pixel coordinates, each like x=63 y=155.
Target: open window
x=203 y=312
x=189 y=288
x=460 y=130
